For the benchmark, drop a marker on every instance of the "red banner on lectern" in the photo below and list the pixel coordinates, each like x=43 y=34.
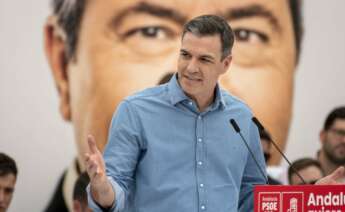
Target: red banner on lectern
x=306 y=198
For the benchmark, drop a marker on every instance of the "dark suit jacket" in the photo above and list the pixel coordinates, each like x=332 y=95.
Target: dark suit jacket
x=57 y=202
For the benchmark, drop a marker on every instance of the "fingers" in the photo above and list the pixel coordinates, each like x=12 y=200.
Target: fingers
x=338 y=173
x=92 y=166
x=94 y=162
x=93 y=170
x=92 y=144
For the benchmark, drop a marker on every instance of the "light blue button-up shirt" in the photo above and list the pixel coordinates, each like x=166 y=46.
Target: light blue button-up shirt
x=163 y=155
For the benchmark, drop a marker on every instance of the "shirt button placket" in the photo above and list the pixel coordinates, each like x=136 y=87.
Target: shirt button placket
x=200 y=162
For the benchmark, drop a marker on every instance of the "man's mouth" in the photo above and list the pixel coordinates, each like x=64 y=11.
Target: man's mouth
x=192 y=78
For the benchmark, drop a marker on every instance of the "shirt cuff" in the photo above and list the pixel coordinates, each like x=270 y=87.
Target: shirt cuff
x=118 y=204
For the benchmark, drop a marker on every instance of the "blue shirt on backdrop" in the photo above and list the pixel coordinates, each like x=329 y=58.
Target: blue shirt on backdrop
x=164 y=155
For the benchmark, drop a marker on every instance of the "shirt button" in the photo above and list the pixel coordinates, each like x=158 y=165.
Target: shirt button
x=200 y=163
x=190 y=103
x=199 y=139
x=199 y=117
x=201 y=185
x=203 y=207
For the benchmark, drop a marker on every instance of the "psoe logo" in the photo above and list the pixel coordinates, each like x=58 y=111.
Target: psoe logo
x=269 y=201
x=293 y=201
x=293 y=205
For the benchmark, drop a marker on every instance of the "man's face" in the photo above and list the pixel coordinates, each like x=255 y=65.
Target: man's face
x=310 y=174
x=333 y=142
x=126 y=46
x=200 y=64
x=7 y=183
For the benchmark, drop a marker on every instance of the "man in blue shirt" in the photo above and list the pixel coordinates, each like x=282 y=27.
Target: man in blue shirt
x=171 y=147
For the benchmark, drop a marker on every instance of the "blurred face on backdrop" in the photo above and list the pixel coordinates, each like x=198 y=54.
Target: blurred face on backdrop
x=126 y=46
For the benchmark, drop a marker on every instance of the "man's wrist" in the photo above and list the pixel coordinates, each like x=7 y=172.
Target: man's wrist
x=103 y=194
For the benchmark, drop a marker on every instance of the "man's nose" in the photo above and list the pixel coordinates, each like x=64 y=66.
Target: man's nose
x=193 y=66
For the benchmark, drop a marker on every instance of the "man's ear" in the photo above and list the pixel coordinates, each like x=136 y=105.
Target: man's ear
x=55 y=49
x=226 y=62
x=322 y=136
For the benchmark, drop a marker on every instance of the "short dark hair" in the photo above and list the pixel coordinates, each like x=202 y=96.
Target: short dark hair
x=302 y=164
x=70 y=13
x=336 y=113
x=7 y=165
x=212 y=25
x=79 y=192
x=165 y=78
x=297 y=24
x=69 y=16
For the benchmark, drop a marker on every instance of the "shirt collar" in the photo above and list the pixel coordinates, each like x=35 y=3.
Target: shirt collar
x=175 y=91
x=219 y=100
x=177 y=94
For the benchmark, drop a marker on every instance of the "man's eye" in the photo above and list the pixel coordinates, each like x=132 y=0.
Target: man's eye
x=251 y=36
x=204 y=60
x=184 y=54
x=9 y=190
x=152 y=32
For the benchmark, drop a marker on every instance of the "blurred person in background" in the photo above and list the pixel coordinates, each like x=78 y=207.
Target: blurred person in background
x=8 y=178
x=265 y=139
x=332 y=137
x=309 y=169
x=80 y=195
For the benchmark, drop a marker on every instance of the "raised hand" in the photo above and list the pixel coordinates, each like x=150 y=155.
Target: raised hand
x=101 y=188
x=333 y=178
x=95 y=165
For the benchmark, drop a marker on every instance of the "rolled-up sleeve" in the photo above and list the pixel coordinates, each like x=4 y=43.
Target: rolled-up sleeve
x=117 y=205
